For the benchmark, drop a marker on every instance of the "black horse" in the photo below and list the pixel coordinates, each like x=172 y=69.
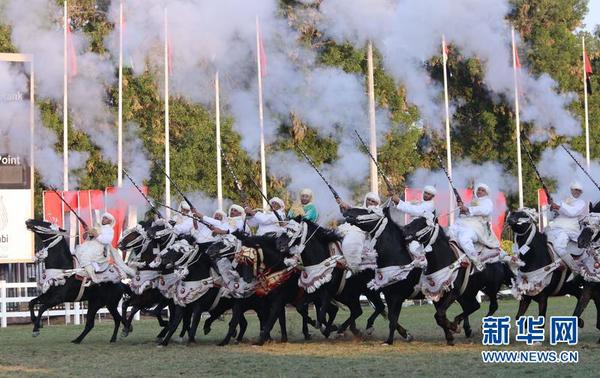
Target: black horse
x=315 y=250
x=537 y=257
x=589 y=240
x=428 y=232
x=141 y=247
x=391 y=252
x=56 y=255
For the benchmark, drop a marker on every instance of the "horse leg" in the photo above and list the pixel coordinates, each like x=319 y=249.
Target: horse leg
x=393 y=314
x=325 y=302
x=176 y=316
x=441 y=318
x=32 y=304
x=355 y=313
x=379 y=308
x=243 y=327
x=596 y=299
x=127 y=320
x=469 y=305
x=523 y=305
x=196 y=317
x=187 y=320
x=89 y=321
x=283 y=326
x=302 y=309
x=165 y=329
x=582 y=302
x=114 y=312
x=38 y=320
x=236 y=314
x=543 y=305
x=332 y=313
x=273 y=313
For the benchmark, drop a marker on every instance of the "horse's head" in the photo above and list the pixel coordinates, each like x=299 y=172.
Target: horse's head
x=590 y=232
x=420 y=229
x=56 y=252
x=177 y=253
x=42 y=228
x=132 y=238
x=162 y=232
x=365 y=219
x=522 y=220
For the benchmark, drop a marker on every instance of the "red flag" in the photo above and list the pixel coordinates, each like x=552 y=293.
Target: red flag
x=517 y=62
x=71 y=54
x=588 y=71
x=90 y=201
x=262 y=56
x=53 y=208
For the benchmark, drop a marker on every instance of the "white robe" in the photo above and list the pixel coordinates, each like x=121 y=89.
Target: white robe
x=416 y=209
x=183 y=225
x=565 y=227
x=266 y=222
x=475 y=227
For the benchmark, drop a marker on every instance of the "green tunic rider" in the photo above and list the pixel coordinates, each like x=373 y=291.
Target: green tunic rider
x=305 y=208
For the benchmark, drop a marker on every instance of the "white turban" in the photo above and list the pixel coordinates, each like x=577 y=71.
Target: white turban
x=482 y=186
x=278 y=201
x=306 y=192
x=183 y=206
x=430 y=189
x=576 y=185
x=220 y=212
x=236 y=207
x=373 y=197
x=110 y=217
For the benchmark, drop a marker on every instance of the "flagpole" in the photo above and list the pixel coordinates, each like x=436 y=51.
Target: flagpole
x=167 y=136
x=448 y=145
x=263 y=166
x=372 y=121
x=585 y=102
x=120 y=120
x=218 y=141
x=65 y=106
x=517 y=121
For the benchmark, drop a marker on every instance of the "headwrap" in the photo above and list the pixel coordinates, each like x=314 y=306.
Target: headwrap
x=576 y=185
x=278 y=201
x=222 y=213
x=183 y=206
x=482 y=186
x=306 y=192
x=238 y=208
x=110 y=217
x=430 y=189
x=373 y=197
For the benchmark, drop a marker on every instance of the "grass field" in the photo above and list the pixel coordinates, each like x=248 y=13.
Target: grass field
x=51 y=354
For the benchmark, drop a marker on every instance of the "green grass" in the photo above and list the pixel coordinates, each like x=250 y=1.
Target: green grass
x=51 y=354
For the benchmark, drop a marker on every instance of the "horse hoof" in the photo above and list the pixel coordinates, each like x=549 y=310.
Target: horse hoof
x=182 y=339
x=35 y=333
x=369 y=331
x=386 y=344
x=333 y=328
x=206 y=330
x=113 y=341
x=450 y=342
x=409 y=337
x=284 y=340
x=340 y=335
x=76 y=341
x=308 y=336
x=580 y=323
x=468 y=333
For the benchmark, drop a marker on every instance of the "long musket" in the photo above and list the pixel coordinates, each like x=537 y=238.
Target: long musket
x=210 y=226
x=425 y=145
x=580 y=166
x=177 y=188
x=385 y=178
x=152 y=207
x=236 y=181
x=85 y=225
x=537 y=173
x=263 y=196
x=312 y=163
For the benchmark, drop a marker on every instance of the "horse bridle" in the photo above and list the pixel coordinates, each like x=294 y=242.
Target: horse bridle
x=52 y=240
x=432 y=230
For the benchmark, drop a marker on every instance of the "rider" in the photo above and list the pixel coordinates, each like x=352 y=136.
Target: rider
x=92 y=258
x=267 y=222
x=305 y=208
x=183 y=221
x=474 y=226
x=565 y=226
x=355 y=240
x=420 y=208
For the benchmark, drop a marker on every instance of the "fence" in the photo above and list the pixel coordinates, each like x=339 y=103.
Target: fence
x=72 y=312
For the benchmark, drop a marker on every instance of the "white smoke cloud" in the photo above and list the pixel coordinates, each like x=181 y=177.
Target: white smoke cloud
x=408 y=33
x=556 y=164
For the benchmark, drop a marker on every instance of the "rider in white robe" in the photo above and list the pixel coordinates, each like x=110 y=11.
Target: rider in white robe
x=565 y=226
x=183 y=224
x=355 y=240
x=474 y=226
x=267 y=222
x=421 y=208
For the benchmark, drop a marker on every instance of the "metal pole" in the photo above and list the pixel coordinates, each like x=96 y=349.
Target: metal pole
x=585 y=102
x=263 y=165
x=65 y=106
x=120 y=120
x=167 y=136
x=517 y=122
x=218 y=142
x=448 y=148
x=372 y=121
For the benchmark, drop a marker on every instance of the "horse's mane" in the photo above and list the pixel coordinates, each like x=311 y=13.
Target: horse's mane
x=323 y=234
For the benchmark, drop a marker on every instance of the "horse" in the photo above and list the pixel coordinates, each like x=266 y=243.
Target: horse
x=540 y=265
x=141 y=247
x=428 y=233
x=315 y=242
x=64 y=286
x=589 y=239
x=392 y=254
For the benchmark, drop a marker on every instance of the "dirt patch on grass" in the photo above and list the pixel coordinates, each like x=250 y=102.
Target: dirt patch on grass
x=22 y=369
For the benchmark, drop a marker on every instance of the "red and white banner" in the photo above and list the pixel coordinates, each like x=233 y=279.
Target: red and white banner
x=91 y=204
